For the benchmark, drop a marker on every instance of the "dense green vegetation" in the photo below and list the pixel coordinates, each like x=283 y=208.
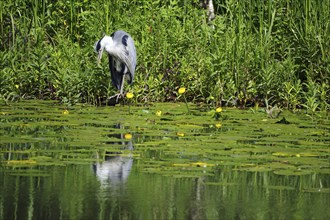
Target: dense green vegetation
x=259 y=51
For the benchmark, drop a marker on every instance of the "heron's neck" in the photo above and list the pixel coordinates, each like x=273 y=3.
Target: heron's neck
x=107 y=44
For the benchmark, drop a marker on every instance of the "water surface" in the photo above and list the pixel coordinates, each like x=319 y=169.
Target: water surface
x=86 y=162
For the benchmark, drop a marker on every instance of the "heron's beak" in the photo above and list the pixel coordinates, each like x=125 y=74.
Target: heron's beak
x=99 y=56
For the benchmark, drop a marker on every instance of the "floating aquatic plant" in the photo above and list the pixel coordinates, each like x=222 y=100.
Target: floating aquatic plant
x=176 y=139
x=129 y=96
x=218 y=125
x=182 y=91
x=128 y=136
x=180 y=134
x=158 y=113
x=216 y=113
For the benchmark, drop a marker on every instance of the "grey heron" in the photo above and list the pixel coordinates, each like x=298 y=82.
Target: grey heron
x=122 y=57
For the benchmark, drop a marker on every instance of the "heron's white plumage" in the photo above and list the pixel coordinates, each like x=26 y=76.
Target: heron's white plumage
x=122 y=56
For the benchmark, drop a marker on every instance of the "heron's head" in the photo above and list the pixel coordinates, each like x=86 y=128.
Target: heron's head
x=99 y=46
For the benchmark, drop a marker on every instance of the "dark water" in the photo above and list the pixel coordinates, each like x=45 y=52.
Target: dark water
x=102 y=163
x=76 y=192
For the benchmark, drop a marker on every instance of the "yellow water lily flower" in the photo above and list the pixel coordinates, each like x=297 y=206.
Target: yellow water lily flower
x=129 y=95
x=180 y=134
x=219 y=109
x=159 y=113
x=218 y=125
x=65 y=112
x=128 y=136
x=182 y=90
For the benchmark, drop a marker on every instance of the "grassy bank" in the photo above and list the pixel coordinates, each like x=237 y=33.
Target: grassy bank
x=274 y=52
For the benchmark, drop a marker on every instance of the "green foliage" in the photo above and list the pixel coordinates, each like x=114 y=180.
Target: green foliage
x=257 y=51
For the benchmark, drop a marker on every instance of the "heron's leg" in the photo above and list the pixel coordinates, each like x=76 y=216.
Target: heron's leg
x=121 y=87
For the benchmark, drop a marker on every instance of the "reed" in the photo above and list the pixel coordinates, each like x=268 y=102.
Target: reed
x=257 y=51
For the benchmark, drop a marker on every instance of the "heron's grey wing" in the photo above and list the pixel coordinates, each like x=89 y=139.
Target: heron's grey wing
x=131 y=64
x=127 y=52
x=116 y=76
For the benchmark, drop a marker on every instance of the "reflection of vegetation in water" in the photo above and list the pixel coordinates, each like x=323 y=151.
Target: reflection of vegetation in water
x=73 y=192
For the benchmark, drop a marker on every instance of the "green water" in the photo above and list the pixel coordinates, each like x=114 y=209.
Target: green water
x=86 y=162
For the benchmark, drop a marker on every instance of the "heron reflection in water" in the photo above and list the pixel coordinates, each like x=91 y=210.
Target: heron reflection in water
x=115 y=169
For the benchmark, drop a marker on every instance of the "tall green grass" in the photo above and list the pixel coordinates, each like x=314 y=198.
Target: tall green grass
x=259 y=51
